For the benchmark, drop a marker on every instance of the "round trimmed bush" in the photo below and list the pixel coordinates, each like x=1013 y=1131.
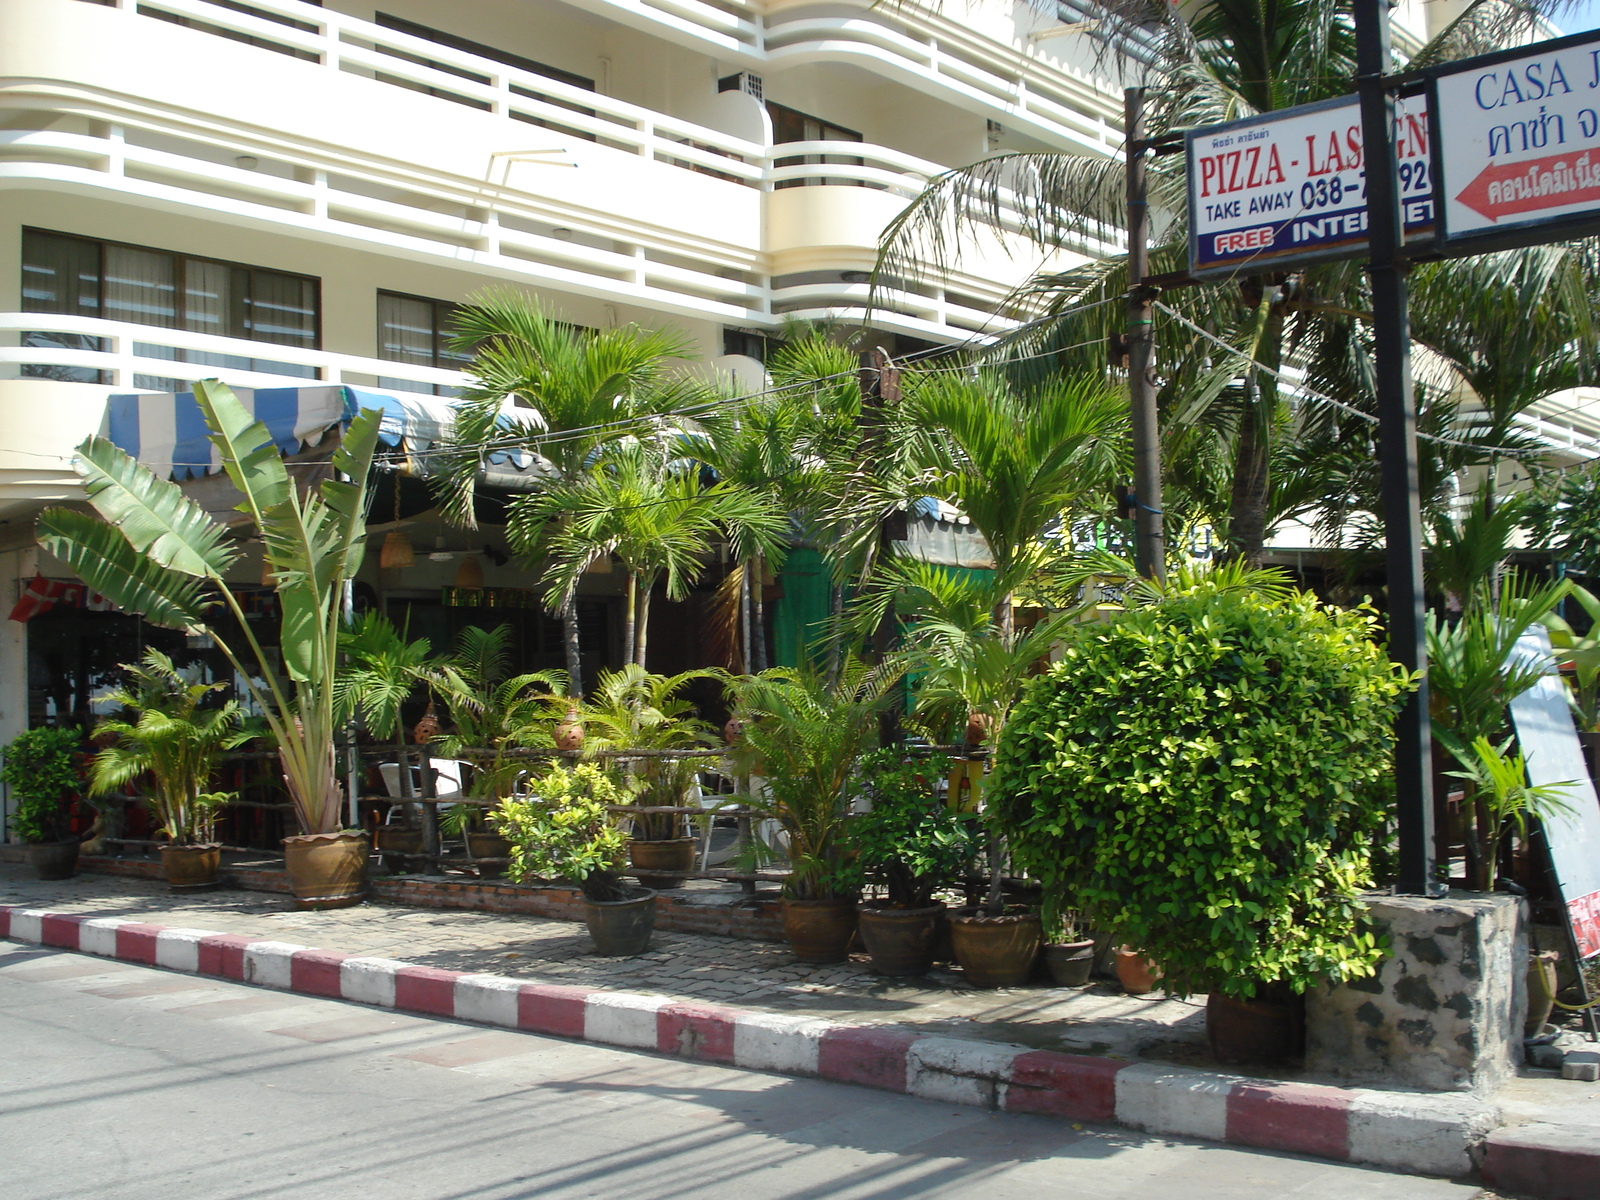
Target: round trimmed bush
x=1202 y=776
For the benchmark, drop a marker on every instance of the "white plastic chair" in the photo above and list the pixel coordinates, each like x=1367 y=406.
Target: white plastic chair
x=446 y=783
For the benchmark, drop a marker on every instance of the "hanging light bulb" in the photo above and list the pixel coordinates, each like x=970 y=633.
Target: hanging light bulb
x=470 y=573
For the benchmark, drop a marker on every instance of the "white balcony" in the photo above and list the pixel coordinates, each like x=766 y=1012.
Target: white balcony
x=129 y=352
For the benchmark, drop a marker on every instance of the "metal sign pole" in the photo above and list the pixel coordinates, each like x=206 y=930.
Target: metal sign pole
x=1150 y=551
x=1402 y=518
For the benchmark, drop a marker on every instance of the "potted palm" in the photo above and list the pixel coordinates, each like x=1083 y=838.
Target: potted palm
x=170 y=735
x=802 y=734
x=633 y=709
x=153 y=550
x=41 y=770
x=912 y=845
x=565 y=830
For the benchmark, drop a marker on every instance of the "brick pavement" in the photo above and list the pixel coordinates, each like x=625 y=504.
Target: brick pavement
x=685 y=966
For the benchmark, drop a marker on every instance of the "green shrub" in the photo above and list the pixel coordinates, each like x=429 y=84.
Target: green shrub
x=564 y=831
x=41 y=770
x=909 y=839
x=1200 y=776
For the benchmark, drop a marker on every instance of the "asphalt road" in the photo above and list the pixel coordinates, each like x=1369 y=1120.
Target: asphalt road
x=125 y=1083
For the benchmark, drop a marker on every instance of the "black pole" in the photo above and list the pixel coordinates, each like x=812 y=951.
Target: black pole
x=1397 y=433
x=1149 y=553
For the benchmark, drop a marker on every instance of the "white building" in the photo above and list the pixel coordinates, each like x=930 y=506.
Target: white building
x=292 y=195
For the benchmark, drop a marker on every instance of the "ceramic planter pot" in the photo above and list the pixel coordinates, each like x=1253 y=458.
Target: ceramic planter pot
x=327 y=870
x=902 y=941
x=54 y=860
x=191 y=868
x=1136 y=973
x=1070 y=963
x=996 y=951
x=1543 y=983
x=622 y=928
x=489 y=845
x=819 y=931
x=662 y=865
x=1260 y=1031
x=399 y=846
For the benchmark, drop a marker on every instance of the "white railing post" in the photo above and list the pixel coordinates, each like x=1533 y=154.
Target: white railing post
x=116 y=149
x=319 y=195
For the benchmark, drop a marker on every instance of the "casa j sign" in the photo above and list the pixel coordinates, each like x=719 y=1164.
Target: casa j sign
x=1286 y=188
x=1517 y=145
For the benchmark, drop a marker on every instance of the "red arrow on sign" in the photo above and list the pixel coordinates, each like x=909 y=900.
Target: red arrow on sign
x=1552 y=182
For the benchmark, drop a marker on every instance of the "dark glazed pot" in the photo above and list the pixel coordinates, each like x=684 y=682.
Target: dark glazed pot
x=996 y=951
x=662 y=865
x=1070 y=963
x=327 y=870
x=400 y=846
x=1261 y=1031
x=489 y=845
x=902 y=941
x=191 y=868
x=54 y=860
x=622 y=928
x=819 y=931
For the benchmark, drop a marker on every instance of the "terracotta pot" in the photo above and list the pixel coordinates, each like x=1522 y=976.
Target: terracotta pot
x=996 y=951
x=622 y=928
x=399 y=845
x=489 y=845
x=327 y=870
x=819 y=931
x=1261 y=1031
x=663 y=864
x=1070 y=963
x=902 y=941
x=191 y=868
x=1135 y=972
x=733 y=730
x=54 y=860
x=569 y=732
x=1543 y=983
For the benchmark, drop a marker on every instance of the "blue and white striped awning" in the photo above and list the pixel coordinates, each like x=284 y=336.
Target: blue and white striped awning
x=167 y=433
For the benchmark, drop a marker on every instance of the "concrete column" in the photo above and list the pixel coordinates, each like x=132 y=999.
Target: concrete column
x=1446 y=1008
x=16 y=567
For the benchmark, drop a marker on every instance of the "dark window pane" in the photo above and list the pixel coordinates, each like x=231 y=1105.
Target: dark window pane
x=60 y=274
x=140 y=286
x=282 y=309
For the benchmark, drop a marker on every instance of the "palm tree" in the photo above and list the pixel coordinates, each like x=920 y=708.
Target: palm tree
x=650 y=508
x=1226 y=427
x=174 y=738
x=543 y=387
x=1015 y=460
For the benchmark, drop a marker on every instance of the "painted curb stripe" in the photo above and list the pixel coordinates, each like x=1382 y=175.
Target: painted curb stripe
x=1298 y=1118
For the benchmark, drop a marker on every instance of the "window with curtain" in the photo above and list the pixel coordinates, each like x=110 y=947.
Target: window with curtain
x=63 y=273
x=414 y=329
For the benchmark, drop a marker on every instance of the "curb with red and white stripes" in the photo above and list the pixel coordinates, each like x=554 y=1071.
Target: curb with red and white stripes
x=1425 y=1134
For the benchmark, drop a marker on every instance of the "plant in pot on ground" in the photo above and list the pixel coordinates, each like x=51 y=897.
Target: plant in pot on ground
x=41 y=769
x=633 y=709
x=1199 y=774
x=171 y=735
x=153 y=550
x=912 y=846
x=802 y=734
x=565 y=830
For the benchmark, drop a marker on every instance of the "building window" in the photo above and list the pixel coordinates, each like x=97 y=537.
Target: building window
x=788 y=125
x=87 y=277
x=742 y=341
x=412 y=329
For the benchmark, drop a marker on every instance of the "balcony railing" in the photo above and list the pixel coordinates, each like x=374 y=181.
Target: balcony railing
x=132 y=357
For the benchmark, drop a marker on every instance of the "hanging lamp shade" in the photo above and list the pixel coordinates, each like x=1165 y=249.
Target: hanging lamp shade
x=397 y=551
x=267 y=579
x=470 y=573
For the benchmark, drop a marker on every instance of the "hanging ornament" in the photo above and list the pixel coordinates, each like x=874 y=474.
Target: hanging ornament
x=569 y=733
x=426 y=729
x=397 y=551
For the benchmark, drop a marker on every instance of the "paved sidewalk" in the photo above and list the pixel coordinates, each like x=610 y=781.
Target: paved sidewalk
x=684 y=966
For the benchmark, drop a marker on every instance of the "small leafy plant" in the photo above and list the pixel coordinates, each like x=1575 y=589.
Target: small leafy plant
x=909 y=839
x=41 y=770
x=1196 y=774
x=565 y=831
x=1502 y=785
